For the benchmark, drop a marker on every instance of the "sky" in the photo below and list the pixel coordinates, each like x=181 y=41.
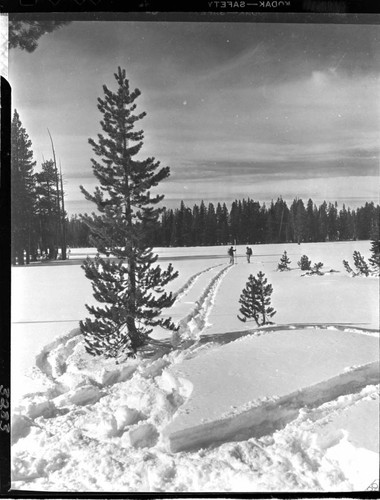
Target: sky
x=237 y=110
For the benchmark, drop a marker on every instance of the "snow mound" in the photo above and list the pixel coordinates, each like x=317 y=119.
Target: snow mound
x=293 y=368
x=84 y=395
x=126 y=416
x=143 y=436
x=266 y=417
x=358 y=464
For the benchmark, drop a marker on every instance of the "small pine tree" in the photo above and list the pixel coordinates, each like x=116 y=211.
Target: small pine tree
x=305 y=263
x=284 y=263
x=360 y=264
x=348 y=268
x=374 y=260
x=131 y=287
x=316 y=269
x=255 y=300
x=362 y=268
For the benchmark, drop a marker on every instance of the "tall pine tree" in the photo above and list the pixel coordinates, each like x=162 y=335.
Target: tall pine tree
x=22 y=192
x=47 y=209
x=130 y=286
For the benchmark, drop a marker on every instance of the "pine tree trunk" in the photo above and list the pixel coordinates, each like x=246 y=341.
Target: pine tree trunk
x=63 y=222
x=132 y=303
x=131 y=324
x=51 y=252
x=28 y=249
x=20 y=257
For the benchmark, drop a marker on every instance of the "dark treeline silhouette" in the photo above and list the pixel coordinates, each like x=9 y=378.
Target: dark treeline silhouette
x=77 y=233
x=248 y=222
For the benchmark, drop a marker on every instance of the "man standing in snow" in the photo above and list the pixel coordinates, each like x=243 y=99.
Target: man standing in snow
x=231 y=254
x=248 y=254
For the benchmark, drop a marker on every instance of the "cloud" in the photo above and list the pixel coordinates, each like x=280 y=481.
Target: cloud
x=265 y=103
x=222 y=170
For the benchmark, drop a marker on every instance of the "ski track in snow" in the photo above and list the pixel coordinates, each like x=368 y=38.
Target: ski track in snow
x=72 y=389
x=184 y=290
x=192 y=325
x=224 y=338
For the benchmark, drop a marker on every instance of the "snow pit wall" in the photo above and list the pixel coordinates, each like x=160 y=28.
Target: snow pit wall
x=269 y=417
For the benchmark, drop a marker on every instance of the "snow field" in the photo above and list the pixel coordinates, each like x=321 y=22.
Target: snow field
x=58 y=293
x=94 y=425
x=336 y=251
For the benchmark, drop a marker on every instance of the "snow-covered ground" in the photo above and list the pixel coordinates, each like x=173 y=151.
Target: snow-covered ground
x=220 y=406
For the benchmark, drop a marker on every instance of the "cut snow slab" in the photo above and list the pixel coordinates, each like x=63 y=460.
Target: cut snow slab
x=257 y=384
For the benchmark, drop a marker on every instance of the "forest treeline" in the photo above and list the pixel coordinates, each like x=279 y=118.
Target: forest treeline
x=249 y=222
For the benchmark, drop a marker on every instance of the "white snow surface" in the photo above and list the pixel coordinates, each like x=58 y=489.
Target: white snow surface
x=221 y=406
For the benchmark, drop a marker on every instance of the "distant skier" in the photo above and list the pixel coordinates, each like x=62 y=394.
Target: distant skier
x=231 y=254
x=248 y=253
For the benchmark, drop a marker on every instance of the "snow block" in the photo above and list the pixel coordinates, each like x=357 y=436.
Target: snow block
x=84 y=395
x=73 y=380
x=232 y=378
x=143 y=436
x=154 y=369
x=126 y=373
x=126 y=416
x=170 y=383
x=37 y=407
x=107 y=427
x=269 y=417
x=20 y=427
x=167 y=382
x=109 y=375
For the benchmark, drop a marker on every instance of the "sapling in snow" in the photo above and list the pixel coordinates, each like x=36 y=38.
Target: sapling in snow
x=315 y=269
x=255 y=300
x=130 y=287
x=360 y=264
x=284 y=263
x=374 y=260
x=304 y=263
x=348 y=268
